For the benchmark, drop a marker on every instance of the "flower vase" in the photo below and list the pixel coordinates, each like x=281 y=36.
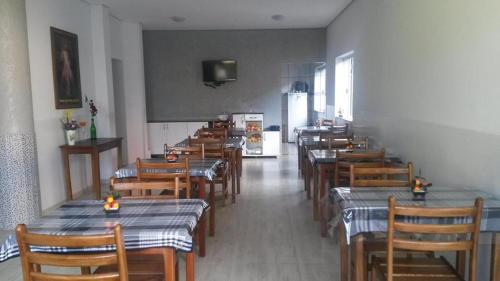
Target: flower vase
x=93 y=130
x=70 y=137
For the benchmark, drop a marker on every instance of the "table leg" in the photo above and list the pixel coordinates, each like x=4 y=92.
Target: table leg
x=240 y=161
x=495 y=257
x=321 y=187
x=169 y=264
x=234 y=169
x=96 y=174
x=238 y=169
x=315 y=192
x=359 y=260
x=190 y=266
x=202 y=223
x=67 y=175
x=460 y=263
x=300 y=157
x=211 y=195
x=201 y=235
x=307 y=179
x=344 y=253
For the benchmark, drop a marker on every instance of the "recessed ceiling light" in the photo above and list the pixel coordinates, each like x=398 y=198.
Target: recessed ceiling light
x=278 y=17
x=178 y=19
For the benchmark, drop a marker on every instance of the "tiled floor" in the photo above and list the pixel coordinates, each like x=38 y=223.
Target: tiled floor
x=268 y=234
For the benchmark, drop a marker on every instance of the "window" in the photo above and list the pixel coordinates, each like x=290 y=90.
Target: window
x=344 y=86
x=320 y=89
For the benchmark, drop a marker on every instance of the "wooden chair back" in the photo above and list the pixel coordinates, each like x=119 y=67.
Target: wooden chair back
x=470 y=231
x=163 y=176
x=191 y=152
x=32 y=262
x=214 y=150
x=381 y=177
x=135 y=189
x=340 y=130
x=211 y=147
x=327 y=122
x=359 y=159
x=217 y=133
x=224 y=124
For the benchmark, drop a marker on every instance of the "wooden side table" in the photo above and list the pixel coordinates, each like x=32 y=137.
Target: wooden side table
x=94 y=148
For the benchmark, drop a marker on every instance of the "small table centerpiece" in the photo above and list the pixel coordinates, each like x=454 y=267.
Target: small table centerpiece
x=419 y=188
x=111 y=204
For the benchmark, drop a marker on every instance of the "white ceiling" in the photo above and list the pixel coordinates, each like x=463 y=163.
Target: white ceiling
x=226 y=14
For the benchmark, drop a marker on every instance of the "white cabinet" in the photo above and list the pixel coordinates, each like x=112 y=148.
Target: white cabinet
x=157 y=137
x=272 y=143
x=176 y=132
x=170 y=133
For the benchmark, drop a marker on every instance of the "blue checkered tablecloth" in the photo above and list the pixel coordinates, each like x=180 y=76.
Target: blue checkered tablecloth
x=206 y=168
x=364 y=210
x=326 y=156
x=228 y=143
x=146 y=224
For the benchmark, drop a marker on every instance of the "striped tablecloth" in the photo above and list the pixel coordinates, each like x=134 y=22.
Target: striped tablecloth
x=365 y=209
x=206 y=168
x=326 y=156
x=146 y=224
x=228 y=143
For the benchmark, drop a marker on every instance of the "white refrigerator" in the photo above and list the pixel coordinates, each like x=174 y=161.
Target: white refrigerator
x=297 y=113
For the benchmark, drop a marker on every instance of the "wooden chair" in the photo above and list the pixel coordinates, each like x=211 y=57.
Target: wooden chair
x=218 y=133
x=160 y=177
x=366 y=177
x=166 y=174
x=428 y=268
x=381 y=177
x=32 y=262
x=191 y=152
x=214 y=148
x=224 y=124
x=359 y=159
x=342 y=173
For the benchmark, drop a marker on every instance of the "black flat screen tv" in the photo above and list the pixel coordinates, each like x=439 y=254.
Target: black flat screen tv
x=219 y=71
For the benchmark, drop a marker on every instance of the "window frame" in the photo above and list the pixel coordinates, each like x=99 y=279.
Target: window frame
x=319 y=102
x=338 y=60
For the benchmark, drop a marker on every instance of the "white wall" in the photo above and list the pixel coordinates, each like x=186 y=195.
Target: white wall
x=72 y=16
x=135 y=96
x=426 y=83
x=100 y=40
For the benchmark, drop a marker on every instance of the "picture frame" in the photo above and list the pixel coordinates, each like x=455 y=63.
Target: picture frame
x=65 y=69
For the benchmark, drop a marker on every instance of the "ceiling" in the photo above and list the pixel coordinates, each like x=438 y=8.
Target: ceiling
x=226 y=14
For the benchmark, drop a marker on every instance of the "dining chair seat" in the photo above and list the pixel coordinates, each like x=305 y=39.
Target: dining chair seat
x=417 y=268
x=140 y=268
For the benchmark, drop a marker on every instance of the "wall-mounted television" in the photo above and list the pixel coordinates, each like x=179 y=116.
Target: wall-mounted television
x=219 y=71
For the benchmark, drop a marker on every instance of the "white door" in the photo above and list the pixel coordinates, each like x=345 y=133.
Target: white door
x=176 y=132
x=297 y=113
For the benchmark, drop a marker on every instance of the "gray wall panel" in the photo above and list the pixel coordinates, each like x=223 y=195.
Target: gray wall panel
x=174 y=86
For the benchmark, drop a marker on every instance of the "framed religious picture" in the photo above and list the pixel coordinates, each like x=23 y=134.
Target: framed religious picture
x=66 y=69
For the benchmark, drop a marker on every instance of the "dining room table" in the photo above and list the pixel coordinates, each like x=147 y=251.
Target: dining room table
x=200 y=171
x=150 y=226
x=361 y=211
x=322 y=161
